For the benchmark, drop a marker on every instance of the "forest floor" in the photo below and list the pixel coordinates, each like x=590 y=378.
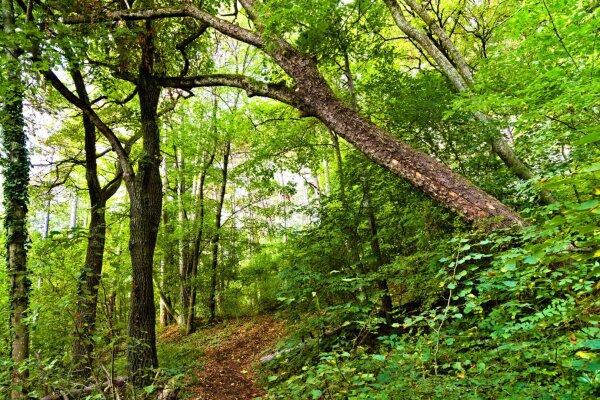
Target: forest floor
x=230 y=352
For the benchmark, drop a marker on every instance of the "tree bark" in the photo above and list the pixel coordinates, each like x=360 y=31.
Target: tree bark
x=212 y=302
x=16 y=180
x=145 y=193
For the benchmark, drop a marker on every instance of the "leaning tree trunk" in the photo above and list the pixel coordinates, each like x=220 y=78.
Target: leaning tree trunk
x=16 y=179
x=422 y=171
x=145 y=194
x=212 y=301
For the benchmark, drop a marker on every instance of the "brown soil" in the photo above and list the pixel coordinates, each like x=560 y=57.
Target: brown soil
x=227 y=373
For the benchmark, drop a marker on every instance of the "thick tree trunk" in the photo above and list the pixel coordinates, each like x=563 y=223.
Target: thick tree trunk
x=89 y=281
x=16 y=179
x=212 y=301
x=422 y=171
x=145 y=194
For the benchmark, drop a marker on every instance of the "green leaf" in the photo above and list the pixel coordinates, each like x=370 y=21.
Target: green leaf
x=149 y=389
x=530 y=260
x=590 y=138
x=591 y=344
x=586 y=205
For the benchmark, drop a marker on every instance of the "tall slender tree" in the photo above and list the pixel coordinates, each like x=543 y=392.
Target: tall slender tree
x=212 y=300
x=89 y=278
x=16 y=180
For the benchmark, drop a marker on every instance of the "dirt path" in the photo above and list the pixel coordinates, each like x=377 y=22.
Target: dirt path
x=227 y=373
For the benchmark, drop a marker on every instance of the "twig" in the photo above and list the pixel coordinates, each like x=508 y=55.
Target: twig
x=558 y=34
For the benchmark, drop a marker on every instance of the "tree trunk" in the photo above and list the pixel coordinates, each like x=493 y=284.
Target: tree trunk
x=145 y=193
x=422 y=171
x=16 y=180
x=194 y=259
x=87 y=290
x=212 y=302
x=166 y=263
x=185 y=284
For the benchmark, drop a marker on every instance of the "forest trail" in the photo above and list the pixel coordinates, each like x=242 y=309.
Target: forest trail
x=228 y=370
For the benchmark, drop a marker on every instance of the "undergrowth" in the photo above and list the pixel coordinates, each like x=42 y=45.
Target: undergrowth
x=511 y=315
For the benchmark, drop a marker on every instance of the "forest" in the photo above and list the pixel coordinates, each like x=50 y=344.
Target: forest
x=300 y=199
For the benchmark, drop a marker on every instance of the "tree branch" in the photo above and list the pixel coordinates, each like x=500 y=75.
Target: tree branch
x=187 y=10
x=445 y=41
x=102 y=127
x=186 y=42
x=248 y=6
x=251 y=86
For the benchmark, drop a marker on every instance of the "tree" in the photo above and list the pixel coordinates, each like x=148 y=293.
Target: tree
x=89 y=279
x=15 y=187
x=145 y=191
x=212 y=302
